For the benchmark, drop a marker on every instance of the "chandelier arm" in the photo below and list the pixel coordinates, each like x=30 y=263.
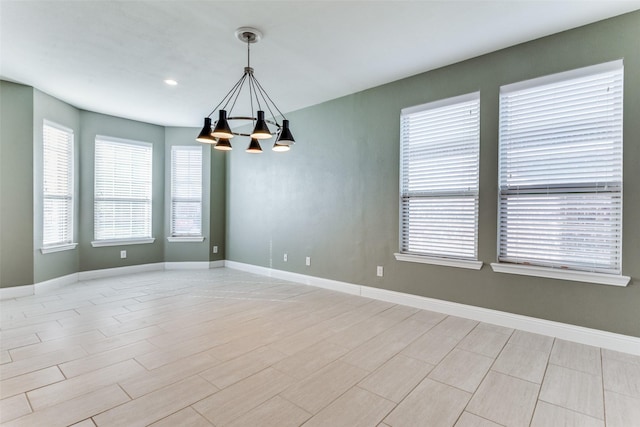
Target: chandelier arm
x=237 y=93
x=252 y=81
x=230 y=93
x=269 y=98
x=264 y=95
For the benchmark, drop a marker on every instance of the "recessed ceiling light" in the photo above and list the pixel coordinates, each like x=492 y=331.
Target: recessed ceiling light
x=171 y=82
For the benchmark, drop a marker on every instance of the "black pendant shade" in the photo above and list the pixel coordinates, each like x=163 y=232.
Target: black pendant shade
x=223 y=144
x=254 y=146
x=261 y=130
x=205 y=134
x=222 y=129
x=286 y=137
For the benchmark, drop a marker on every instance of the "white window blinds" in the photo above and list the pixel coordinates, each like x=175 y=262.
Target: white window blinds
x=57 y=185
x=440 y=145
x=186 y=191
x=560 y=172
x=122 y=207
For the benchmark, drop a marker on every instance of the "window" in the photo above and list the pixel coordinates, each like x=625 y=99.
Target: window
x=122 y=204
x=57 y=187
x=439 y=170
x=560 y=172
x=186 y=191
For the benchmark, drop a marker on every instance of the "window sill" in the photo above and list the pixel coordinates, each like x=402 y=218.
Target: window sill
x=554 y=273
x=448 y=262
x=185 y=239
x=58 y=248
x=122 y=242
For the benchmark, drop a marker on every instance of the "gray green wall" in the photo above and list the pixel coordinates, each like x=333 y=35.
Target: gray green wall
x=23 y=110
x=334 y=196
x=56 y=264
x=16 y=184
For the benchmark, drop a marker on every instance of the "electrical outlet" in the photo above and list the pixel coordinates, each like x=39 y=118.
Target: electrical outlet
x=123 y=254
x=308 y=260
x=215 y=249
x=380 y=271
x=285 y=257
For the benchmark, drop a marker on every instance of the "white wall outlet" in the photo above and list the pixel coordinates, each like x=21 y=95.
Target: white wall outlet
x=215 y=249
x=308 y=260
x=123 y=254
x=285 y=257
x=380 y=271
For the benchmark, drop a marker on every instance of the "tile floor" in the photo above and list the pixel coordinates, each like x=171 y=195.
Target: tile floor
x=227 y=348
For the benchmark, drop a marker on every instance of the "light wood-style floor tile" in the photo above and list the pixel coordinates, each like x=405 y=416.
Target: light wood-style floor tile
x=310 y=360
x=521 y=362
x=532 y=341
x=320 y=389
x=576 y=356
x=24 y=366
x=74 y=410
x=468 y=419
x=621 y=377
x=241 y=397
x=219 y=347
x=621 y=410
x=439 y=403
x=551 y=415
x=575 y=390
x=454 y=327
x=462 y=369
x=82 y=384
x=373 y=353
x=30 y=381
x=431 y=348
x=484 y=341
x=185 y=417
x=14 y=407
x=227 y=373
x=275 y=412
x=148 y=381
x=396 y=378
x=356 y=408
x=505 y=400
x=105 y=358
x=157 y=405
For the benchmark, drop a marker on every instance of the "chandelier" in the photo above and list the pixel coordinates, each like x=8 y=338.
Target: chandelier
x=220 y=132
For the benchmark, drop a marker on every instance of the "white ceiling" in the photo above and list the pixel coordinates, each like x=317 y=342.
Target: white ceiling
x=112 y=56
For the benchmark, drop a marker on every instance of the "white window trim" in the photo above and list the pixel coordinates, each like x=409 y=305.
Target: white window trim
x=185 y=239
x=125 y=241
x=550 y=272
x=58 y=248
x=423 y=258
x=448 y=262
x=554 y=273
x=122 y=242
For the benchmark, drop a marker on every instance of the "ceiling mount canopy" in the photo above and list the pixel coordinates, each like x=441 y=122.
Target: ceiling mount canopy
x=220 y=132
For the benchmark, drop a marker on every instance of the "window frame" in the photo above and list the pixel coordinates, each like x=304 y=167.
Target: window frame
x=538 y=267
x=184 y=237
x=426 y=257
x=68 y=242
x=131 y=240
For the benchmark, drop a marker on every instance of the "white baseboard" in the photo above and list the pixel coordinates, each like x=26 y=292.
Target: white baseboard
x=55 y=283
x=117 y=271
x=16 y=292
x=579 y=334
x=216 y=264
x=296 y=277
x=190 y=265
